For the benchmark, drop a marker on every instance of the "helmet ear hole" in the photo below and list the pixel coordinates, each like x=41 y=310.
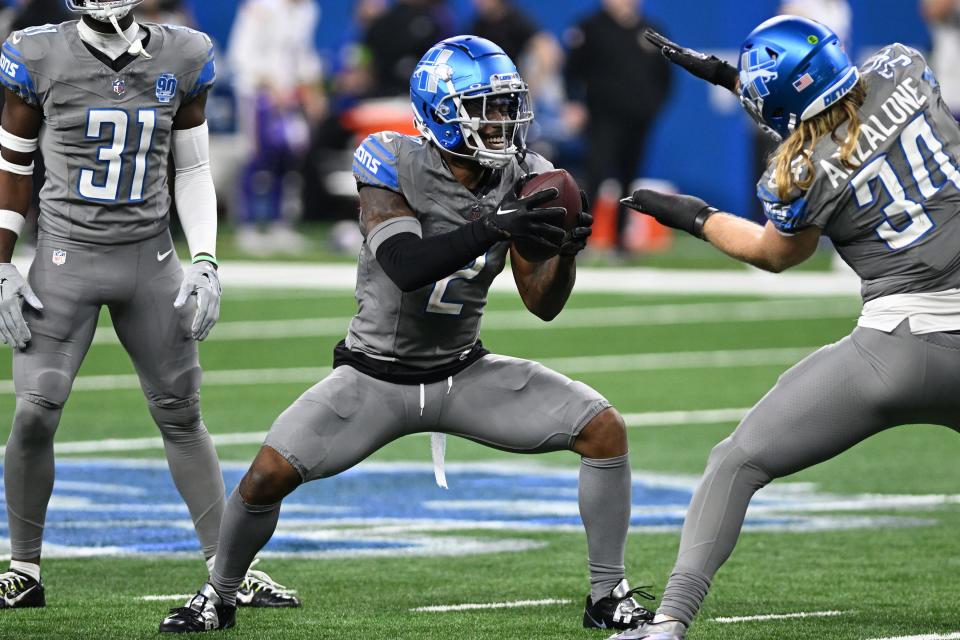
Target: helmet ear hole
x=773 y=54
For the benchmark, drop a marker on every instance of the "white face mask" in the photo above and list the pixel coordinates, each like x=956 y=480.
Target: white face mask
x=105 y=11
x=111 y=11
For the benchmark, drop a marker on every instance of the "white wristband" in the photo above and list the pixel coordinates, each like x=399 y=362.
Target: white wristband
x=16 y=143
x=12 y=220
x=16 y=169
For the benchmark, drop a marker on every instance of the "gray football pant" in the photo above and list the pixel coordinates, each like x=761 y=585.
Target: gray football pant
x=139 y=291
x=503 y=402
x=835 y=398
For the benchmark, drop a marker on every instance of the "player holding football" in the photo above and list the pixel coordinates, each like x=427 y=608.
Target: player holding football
x=438 y=213
x=869 y=159
x=115 y=97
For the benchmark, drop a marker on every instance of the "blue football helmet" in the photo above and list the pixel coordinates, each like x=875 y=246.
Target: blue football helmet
x=469 y=99
x=791 y=69
x=102 y=10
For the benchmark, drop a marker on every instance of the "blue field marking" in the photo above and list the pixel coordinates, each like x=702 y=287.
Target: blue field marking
x=120 y=507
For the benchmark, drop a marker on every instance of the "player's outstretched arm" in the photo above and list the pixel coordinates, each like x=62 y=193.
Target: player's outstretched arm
x=19 y=131
x=761 y=246
x=709 y=68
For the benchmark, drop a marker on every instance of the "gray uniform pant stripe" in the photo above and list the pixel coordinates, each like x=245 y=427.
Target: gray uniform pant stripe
x=832 y=400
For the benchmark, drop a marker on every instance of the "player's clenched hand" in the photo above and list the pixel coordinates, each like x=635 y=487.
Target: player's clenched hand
x=710 y=68
x=576 y=240
x=687 y=213
x=13 y=291
x=201 y=280
x=518 y=216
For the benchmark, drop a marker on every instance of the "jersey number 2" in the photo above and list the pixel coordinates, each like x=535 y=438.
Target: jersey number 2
x=107 y=188
x=436 y=303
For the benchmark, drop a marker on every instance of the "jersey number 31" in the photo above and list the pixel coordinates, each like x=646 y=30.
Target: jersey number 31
x=106 y=188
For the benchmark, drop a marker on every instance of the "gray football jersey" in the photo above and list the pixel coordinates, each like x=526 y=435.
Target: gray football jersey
x=438 y=323
x=894 y=218
x=107 y=133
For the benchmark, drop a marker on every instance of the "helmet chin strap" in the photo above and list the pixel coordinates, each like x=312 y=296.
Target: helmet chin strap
x=136 y=46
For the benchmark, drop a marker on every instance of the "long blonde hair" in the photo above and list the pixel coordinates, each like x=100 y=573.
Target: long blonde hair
x=809 y=132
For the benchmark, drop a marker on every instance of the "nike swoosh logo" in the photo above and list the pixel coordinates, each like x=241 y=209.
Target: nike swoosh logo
x=163 y=256
x=13 y=601
x=598 y=625
x=501 y=212
x=386 y=138
x=17 y=37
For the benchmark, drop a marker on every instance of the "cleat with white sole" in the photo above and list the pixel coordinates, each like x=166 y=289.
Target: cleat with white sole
x=669 y=630
x=203 y=612
x=260 y=590
x=20 y=591
x=619 y=610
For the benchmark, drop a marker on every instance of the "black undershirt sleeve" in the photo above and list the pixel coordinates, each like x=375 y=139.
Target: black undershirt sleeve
x=413 y=262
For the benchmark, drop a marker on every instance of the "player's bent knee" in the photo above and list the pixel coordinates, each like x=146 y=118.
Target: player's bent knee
x=35 y=422
x=179 y=389
x=605 y=436
x=728 y=459
x=269 y=479
x=48 y=388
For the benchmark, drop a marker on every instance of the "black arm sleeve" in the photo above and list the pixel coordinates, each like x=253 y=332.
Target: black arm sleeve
x=413 y=262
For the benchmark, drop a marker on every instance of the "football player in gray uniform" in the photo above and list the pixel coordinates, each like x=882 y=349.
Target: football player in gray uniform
x=113 y=97
x=868 y=158
x=438 y=213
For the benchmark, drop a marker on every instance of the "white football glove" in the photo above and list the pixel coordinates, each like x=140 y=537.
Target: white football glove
x=13 y=291
x=201 y=280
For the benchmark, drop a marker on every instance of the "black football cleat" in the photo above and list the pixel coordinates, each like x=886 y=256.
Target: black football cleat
x=20 y=591
x=668 y=630
x=260 y=590
x=619 y=610
x=204 y=612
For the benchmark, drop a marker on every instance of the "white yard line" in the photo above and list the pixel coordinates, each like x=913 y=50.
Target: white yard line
x=173 y=596
x=668 y=418
x=312 y=276
x=780 y=616
x=574 y=365
x=574 y=318
x=648 y=419
x=490 y=605
x=931 y=636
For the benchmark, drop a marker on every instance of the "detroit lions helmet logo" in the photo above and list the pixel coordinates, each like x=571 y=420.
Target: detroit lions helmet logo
x=433 y=69
x=755 y=74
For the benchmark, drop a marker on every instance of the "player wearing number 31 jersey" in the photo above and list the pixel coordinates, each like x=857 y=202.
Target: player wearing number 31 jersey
x=869 y=158
x=113 y=98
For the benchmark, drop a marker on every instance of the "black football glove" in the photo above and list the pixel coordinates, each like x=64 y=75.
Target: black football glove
x=576 y=240
x=518 y=217
x=710 y=68
x=687 y=213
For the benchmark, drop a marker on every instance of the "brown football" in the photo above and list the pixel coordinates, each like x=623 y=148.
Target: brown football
x=568 y=198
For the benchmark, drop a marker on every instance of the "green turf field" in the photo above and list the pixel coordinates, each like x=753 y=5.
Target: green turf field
x=884 y=581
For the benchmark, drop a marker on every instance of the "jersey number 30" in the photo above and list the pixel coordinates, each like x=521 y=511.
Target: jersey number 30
x=106 y=187
x=918 y=223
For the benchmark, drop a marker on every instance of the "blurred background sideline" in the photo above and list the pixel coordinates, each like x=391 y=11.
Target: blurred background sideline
x=300 y=82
